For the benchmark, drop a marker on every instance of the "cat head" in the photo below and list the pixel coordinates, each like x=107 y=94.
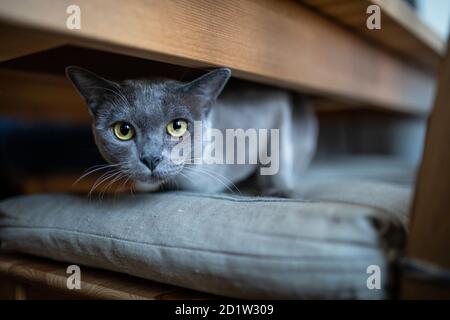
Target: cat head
x=137 y=123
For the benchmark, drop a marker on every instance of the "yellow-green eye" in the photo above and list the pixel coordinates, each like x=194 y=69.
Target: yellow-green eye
x=177 y=128
x=123 y=131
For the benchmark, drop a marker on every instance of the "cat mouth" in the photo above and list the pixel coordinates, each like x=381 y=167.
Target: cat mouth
x=157 y=176
x=152 y=178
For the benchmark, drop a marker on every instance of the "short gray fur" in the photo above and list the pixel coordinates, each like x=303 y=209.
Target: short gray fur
x=150 y=104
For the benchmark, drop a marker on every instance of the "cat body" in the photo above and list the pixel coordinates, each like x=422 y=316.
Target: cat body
x=247 y=110
x=156 y=115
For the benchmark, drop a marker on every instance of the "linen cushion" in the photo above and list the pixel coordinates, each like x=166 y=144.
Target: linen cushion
x=236 y=246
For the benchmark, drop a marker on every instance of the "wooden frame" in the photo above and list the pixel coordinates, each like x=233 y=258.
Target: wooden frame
x=429 y=239
x=277 y=42
x=402 y=31
x=25 y=277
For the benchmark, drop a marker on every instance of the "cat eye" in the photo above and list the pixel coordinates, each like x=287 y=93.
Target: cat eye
x=123 y=131
x=177 y=127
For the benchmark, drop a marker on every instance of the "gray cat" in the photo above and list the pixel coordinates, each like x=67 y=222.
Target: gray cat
x=138 y=123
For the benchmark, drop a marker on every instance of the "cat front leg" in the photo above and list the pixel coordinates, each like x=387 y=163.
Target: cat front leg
x=281 y=183
x=276 y=172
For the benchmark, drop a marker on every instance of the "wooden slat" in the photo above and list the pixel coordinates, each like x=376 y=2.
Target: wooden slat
x=70 y=183
x=402 y=31
x=429 y=238
x=49 y=275
x=277 y=42
x=16 y=42
x=404 y=15
x=36 y=88
x=40 y=96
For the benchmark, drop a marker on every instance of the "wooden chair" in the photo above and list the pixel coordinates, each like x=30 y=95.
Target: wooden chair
x=429 y=238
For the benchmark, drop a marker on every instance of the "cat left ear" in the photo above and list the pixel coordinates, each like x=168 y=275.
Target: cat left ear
x=209 y=86
x=92 y=87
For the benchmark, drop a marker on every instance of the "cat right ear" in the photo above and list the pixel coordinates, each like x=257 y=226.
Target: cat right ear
x=91 y=87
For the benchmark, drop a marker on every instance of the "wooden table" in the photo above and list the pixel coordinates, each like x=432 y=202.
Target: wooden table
x=293 y=44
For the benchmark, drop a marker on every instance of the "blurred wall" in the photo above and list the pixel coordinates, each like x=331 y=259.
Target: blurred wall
x=436 y=13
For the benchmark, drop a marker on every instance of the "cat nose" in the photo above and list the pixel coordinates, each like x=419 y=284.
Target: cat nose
x=151 y=162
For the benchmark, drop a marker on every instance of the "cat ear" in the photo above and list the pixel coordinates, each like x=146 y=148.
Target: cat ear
x=92 y=87
x=209 y=86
